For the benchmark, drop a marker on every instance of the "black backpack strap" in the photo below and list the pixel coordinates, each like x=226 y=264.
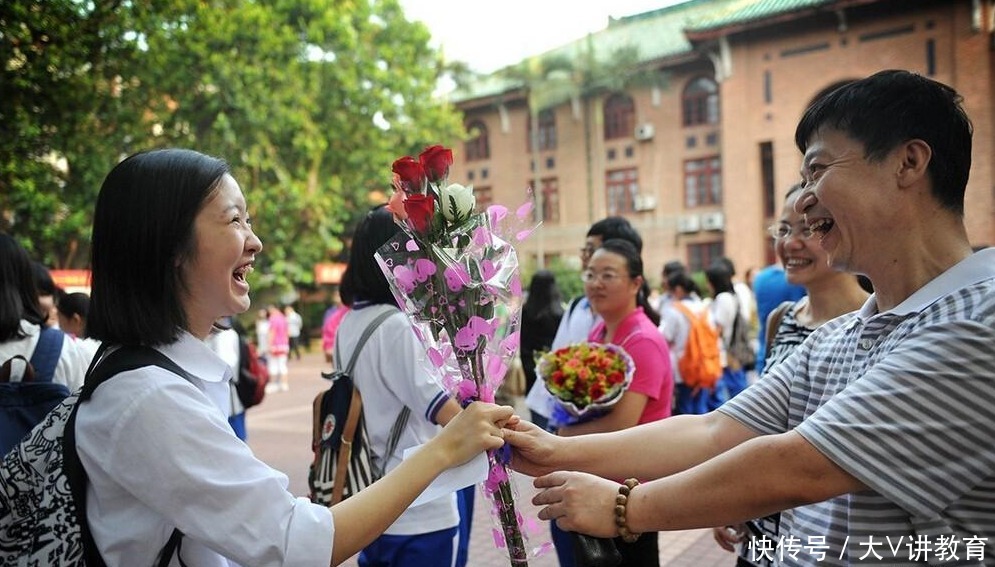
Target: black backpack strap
x=47 y=352
x=103 y=368
x=573 y=304
x=367 y=333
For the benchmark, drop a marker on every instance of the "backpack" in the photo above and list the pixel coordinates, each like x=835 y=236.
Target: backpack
x=24 y=404
x=252 y=375
x=343 y=459
x=739 y=351
x=701 y=364
x=43 y=483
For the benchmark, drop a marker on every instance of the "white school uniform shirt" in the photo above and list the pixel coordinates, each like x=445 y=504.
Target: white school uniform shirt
x=575 y=326
x=392 y=372
x=159 y=454
x=73 y=360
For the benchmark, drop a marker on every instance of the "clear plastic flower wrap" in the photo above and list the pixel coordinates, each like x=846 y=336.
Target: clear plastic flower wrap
x=455 y=273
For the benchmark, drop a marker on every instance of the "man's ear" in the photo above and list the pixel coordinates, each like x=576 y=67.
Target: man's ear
x=915 y=156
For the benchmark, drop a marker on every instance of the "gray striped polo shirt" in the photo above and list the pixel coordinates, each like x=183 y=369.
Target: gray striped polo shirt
x=904 y=401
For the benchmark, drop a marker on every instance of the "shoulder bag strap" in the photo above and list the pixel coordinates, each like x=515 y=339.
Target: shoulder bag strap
x=395 y=435
x=355 y=406
x=121 y=360
x=367 y=333
x=47 y=352
x=773 y=324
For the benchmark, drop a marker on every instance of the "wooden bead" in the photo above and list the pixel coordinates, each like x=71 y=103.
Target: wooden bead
x=621 y=502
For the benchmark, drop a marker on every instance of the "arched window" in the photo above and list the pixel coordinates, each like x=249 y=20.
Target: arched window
x=546 y=131
x=701 y=102
x=620 y=116
x=477 y=147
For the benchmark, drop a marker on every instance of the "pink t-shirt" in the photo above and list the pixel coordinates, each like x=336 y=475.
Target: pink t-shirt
x=653 y=377
x=330 y=327
x=279 y=336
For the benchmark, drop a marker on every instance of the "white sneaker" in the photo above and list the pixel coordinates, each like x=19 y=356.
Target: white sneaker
x=272 y=387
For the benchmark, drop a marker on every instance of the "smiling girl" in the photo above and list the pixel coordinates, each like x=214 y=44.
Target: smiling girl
x=172 y=245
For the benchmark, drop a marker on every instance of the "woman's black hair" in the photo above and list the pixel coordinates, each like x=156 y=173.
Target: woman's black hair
x=143 y=234
x=720 y=278
x=363 y=281
x=72 y=304
x=544 y=296
x=684 y=281
x=18 y=294
x=634 y=263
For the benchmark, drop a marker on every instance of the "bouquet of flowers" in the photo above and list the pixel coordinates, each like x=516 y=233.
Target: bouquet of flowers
x=586 y=379
x=454 y=273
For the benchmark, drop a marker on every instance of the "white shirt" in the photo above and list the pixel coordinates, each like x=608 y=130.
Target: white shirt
x=73 y=360
x=575 y=326
x=294 y=324
x=160 y=454
x=391 y=372
x=225 y=343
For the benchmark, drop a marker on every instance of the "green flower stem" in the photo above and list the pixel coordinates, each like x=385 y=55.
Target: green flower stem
x=504 y=497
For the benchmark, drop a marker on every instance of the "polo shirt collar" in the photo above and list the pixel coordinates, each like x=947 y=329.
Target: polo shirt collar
x=976 y=268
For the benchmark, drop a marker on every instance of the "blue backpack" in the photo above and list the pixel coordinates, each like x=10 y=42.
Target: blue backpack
x=25 y=404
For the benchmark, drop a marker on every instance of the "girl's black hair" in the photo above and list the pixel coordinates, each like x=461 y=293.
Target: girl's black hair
x=363 y=281
x=18 y=294
x=720 y=278
x=544 y=296
x=77 y=303
x=683 y=281
x=634 y=263
x=143 y=233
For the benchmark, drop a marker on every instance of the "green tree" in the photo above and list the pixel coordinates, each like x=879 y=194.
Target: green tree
x=62 y=120
x=309 y=102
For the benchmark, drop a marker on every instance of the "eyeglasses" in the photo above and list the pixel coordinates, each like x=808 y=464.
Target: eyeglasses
x=784 y=230
x=587 y=251
x=606 y=278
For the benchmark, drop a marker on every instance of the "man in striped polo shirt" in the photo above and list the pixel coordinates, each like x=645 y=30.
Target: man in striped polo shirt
x=876 y=436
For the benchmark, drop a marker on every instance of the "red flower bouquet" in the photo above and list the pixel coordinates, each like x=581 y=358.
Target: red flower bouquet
x=454 y=272
x=586 y=379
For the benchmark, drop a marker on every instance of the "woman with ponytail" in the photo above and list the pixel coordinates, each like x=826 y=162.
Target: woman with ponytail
x=617 y=290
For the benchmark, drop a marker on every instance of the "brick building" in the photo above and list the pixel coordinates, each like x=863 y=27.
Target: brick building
x=687 y=114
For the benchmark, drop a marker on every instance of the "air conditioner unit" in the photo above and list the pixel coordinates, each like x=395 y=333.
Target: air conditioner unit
x=713 y=221
x=688 y=223
x=645 y=202
x=644 y=132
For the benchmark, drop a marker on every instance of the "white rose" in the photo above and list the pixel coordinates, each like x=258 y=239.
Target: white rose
x=458 y=202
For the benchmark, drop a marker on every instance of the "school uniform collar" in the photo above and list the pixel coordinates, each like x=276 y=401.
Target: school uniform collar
x=197 y=358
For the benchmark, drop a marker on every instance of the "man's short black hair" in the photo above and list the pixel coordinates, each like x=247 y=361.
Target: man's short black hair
x=617 y=227
x=892 y=107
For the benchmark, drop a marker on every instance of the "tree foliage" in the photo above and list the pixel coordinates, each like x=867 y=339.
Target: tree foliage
x=308 y=100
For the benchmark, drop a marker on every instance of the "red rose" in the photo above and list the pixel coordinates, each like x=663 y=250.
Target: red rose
x=411 y=175
x=420 y=209
x=435 y=160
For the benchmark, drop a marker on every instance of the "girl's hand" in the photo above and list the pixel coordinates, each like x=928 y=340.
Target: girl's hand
x=478 y=428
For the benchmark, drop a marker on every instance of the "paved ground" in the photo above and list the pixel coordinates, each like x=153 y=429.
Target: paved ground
x=280 y=430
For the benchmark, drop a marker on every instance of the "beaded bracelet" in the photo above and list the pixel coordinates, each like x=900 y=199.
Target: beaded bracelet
x=621 y=500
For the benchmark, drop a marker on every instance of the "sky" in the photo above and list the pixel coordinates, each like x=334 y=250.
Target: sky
x=490 y=34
